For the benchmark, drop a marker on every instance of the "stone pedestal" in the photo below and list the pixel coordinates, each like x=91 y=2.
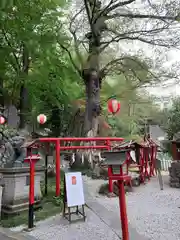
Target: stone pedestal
x=174 y=173
x=15 y=194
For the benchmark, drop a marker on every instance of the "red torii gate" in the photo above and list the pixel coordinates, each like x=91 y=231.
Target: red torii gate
x=58 y=148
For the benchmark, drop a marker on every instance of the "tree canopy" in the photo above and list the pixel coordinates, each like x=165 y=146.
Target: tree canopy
x=56 y=52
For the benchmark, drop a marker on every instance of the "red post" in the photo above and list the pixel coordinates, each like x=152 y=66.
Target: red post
x=47 y=149
x=57 y=147
x=110 y=186
x=142 y=165
x=174 y=151
x=122 y=205
x=153 y=159
x=146 y=158
x=31 y=187
x=32 y=161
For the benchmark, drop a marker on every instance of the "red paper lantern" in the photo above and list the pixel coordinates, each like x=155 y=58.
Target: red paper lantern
x=41 y=118
x=2 y=120
x=114 y=106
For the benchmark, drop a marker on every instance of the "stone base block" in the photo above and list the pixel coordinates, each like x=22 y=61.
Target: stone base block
x=18 y=208
x=15 y=196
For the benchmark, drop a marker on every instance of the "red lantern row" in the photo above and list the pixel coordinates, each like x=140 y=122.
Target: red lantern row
x=113 y=107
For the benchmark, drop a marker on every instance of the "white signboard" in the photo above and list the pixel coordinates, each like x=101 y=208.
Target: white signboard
x=74 y=189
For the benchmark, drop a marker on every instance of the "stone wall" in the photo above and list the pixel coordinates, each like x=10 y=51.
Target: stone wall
x=174 y=174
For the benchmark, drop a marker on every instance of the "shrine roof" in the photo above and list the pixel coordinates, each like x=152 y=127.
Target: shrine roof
x=28 y=144
x=114 y=157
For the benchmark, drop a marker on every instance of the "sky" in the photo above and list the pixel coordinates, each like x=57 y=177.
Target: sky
x=166 y=58
x=169 y=58
x=171 y=90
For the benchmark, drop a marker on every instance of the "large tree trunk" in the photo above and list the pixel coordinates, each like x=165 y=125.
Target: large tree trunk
x=24 y=105
x=92 y=78
x=92 y=109
x=55 y=120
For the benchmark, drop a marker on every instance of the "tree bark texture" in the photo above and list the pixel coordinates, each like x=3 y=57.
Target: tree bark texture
x=92 y=78
x=91 y=72
x=23 y=106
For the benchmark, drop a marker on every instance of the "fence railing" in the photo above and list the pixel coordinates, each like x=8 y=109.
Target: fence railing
x=166 y=161
x=165 y=164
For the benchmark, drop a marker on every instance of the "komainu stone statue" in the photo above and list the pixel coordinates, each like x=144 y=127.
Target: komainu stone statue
x=15 y=172
x=11 y=152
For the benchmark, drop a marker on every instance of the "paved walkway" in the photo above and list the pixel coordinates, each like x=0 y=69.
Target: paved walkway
x=4 y=237
x=153 y=213
x=6 y=234
x=101 y=223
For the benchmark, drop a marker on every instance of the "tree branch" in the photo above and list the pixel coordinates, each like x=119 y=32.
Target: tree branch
x=121 y=61
x=70 y=57
x=88 y=13
x=73 y=32
x=115 y=6
x=93 y=10
x=153 y=42
x=142 y=16
x=124 y=36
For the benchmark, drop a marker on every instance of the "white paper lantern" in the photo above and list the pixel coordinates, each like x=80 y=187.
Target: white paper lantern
x=2 y=120
x=41 y=118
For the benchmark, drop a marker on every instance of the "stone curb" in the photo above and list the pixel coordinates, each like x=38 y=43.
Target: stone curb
x=15 y=236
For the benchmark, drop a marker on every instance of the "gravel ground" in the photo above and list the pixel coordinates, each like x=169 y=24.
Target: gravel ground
x=4 y=237
x=57 y=228
x=154 y=213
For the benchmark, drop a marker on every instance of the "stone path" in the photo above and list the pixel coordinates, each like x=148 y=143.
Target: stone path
x=6 y=234
x=101 y=223
x=153 y=215
x=4 y=237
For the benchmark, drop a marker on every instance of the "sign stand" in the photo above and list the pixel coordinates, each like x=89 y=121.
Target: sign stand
x=67 y=204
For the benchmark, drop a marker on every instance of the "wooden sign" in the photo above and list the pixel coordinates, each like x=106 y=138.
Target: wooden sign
x=74 y=189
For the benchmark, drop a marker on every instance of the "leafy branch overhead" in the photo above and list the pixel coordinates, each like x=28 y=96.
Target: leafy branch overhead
x=48 y=47
x=101 y=29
